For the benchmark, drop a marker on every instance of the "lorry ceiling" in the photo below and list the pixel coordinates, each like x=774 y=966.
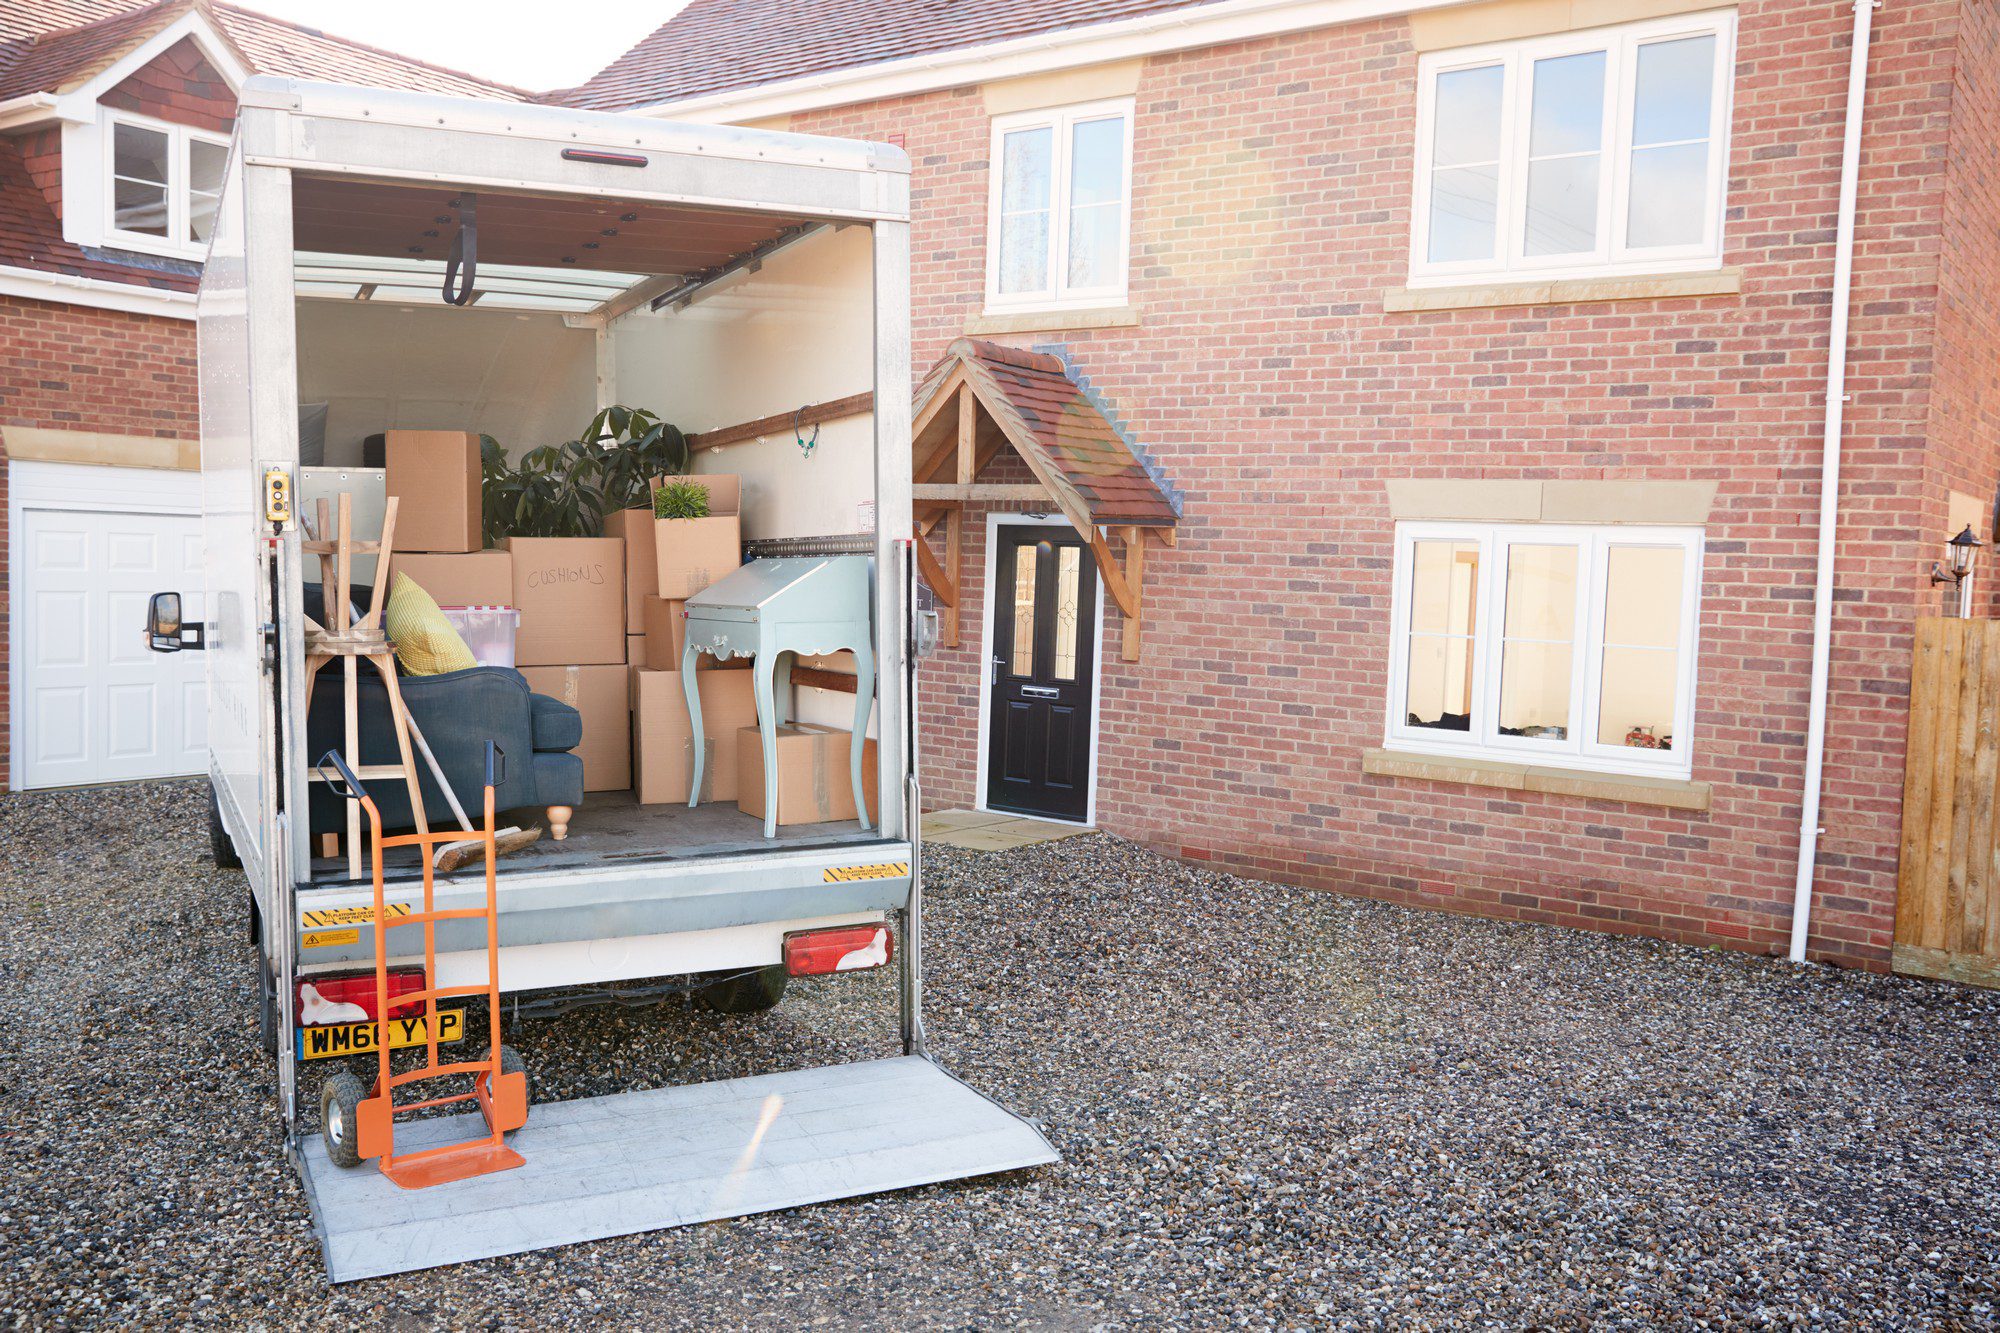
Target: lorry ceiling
x=416 y=281
x=394 y=220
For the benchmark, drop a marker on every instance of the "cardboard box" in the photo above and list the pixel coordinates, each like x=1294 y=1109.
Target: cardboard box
x=635 y=650
x=691 y=553
x=666 y=638
x=814 y=783
x=663 y=735
x=599 y=693
x=570 y=592
x=481 y=578
x=642 y=573
x=434 y=477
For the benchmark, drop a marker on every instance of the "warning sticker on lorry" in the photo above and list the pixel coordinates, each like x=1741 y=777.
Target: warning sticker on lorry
x=881 y=870
x=349 y=916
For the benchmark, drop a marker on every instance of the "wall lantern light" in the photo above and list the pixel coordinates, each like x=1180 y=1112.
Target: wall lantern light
x=1960 y=552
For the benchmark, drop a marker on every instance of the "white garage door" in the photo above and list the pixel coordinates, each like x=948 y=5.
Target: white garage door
x=93 y=704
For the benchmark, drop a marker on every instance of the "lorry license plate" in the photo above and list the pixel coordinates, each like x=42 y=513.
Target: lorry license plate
x=325 y=1040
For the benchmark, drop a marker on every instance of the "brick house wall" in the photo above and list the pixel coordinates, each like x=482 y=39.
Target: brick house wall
x=68 y=367
x=1271 y=209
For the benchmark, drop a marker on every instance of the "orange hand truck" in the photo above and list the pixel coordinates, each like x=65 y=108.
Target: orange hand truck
x=357 y=1126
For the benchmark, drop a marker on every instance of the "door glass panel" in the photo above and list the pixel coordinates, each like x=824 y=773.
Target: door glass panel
x=1068 y=575
x=1643 y=595
x=1444 y=596
x=1023 y=663
x=1538 y=641
x=139 y=180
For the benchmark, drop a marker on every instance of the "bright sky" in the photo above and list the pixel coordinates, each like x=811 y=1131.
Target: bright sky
x=534 y=44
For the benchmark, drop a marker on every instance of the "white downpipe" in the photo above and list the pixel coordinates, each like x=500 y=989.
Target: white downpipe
x=1829 y=476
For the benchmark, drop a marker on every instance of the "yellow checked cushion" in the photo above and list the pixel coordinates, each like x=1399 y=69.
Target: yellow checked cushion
x=427 y=644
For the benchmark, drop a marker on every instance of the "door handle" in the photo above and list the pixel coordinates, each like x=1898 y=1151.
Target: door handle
x=1041 y=691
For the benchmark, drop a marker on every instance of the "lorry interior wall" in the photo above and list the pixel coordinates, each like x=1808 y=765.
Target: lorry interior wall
x=797 y=331
x=520 y=376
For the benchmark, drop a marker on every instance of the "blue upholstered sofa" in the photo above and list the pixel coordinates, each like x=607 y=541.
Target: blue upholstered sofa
x=457 y=713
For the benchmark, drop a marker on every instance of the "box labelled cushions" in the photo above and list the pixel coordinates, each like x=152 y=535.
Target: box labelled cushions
x=570 y=592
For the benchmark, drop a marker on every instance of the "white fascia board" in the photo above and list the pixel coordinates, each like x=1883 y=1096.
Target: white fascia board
x=80 y=104
x=1070 y=48
x=27 y=111
x=34 y=285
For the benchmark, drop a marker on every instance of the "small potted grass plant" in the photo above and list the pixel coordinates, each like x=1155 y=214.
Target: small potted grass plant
x=697 y=536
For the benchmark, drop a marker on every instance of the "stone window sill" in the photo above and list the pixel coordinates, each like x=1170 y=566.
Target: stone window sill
x=1052 y=321
x=1673 y=793
x=1564 y=291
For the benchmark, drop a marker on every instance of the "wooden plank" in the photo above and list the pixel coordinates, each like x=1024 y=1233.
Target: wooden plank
x=811 y=414
x=954 y=559
x=968 y=420
x=1968 y=969
x=822 y=679
x=1943 y=778
x=1114 y=577
x=1975 y=909
x=1135 y=574
x=1927 y=662
x=981 y=493
x=1964 y=747
x=927 y=565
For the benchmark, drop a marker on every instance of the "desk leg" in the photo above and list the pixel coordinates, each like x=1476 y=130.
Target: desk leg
x=694 y=724
x=765 y=665
x=864 y=701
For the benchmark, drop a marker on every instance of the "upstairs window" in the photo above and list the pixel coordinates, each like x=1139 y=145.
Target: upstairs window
x=165 y=182
x=1572 y=647
x=1060 y=208
x=1578 y=155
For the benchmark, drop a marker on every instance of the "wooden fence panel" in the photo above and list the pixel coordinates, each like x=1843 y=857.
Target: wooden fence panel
x=1948 y=878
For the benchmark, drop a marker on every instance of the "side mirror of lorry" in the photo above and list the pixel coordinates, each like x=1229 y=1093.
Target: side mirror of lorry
x=165 y=632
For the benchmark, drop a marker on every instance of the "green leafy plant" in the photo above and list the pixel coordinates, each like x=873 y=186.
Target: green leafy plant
x=565 y=490
x=680 y=499
x=638 y=446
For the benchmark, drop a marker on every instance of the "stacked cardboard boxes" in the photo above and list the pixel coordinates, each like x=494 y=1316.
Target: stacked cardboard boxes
x=663 y=734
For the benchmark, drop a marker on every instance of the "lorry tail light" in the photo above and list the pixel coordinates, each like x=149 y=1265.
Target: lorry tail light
x=819 y=953
x=335 y=997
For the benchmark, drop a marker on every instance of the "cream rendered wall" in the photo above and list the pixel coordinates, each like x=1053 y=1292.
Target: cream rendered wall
x=522 y=378
x=800 y=330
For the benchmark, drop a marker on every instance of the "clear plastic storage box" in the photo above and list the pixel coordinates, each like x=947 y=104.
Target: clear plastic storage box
x=487 y=630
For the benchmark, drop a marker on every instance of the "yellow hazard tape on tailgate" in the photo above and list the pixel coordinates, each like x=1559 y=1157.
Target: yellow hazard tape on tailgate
x=348 y=916
x=883 y=870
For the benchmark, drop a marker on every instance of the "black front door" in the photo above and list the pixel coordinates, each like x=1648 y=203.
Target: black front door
x=1044 y=659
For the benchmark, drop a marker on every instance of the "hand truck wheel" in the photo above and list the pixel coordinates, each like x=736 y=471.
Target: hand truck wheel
x=510 y=1063
x=339 y=1096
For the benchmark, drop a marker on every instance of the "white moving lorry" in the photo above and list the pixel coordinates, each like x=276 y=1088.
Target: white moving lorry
x=715 y=275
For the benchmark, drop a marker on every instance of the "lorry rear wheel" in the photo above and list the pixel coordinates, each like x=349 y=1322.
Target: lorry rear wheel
x=743 y=993
x=219 y=845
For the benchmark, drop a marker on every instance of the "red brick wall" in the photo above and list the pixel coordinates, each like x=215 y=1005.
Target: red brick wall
x=1271 y=209
x=73 y=368
x=1965 y=401
x=178 y=85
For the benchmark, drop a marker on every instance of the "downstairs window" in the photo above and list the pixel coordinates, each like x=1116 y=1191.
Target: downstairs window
x=1532 y=643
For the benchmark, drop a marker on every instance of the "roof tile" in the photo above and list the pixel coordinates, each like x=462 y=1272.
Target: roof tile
x=715 y=46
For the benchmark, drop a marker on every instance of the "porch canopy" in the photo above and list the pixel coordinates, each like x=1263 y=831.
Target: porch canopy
x=981 y=398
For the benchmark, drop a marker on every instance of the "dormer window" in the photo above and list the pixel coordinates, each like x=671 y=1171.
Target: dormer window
x=165 y=181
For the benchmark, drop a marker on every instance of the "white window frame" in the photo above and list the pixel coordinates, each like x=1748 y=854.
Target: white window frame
x=179 y=139
x=1059 y=295
x=1580 y=749
x=1612 y=256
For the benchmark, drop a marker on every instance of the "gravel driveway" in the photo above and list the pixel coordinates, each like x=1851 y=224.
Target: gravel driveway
x=1276 y=1107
